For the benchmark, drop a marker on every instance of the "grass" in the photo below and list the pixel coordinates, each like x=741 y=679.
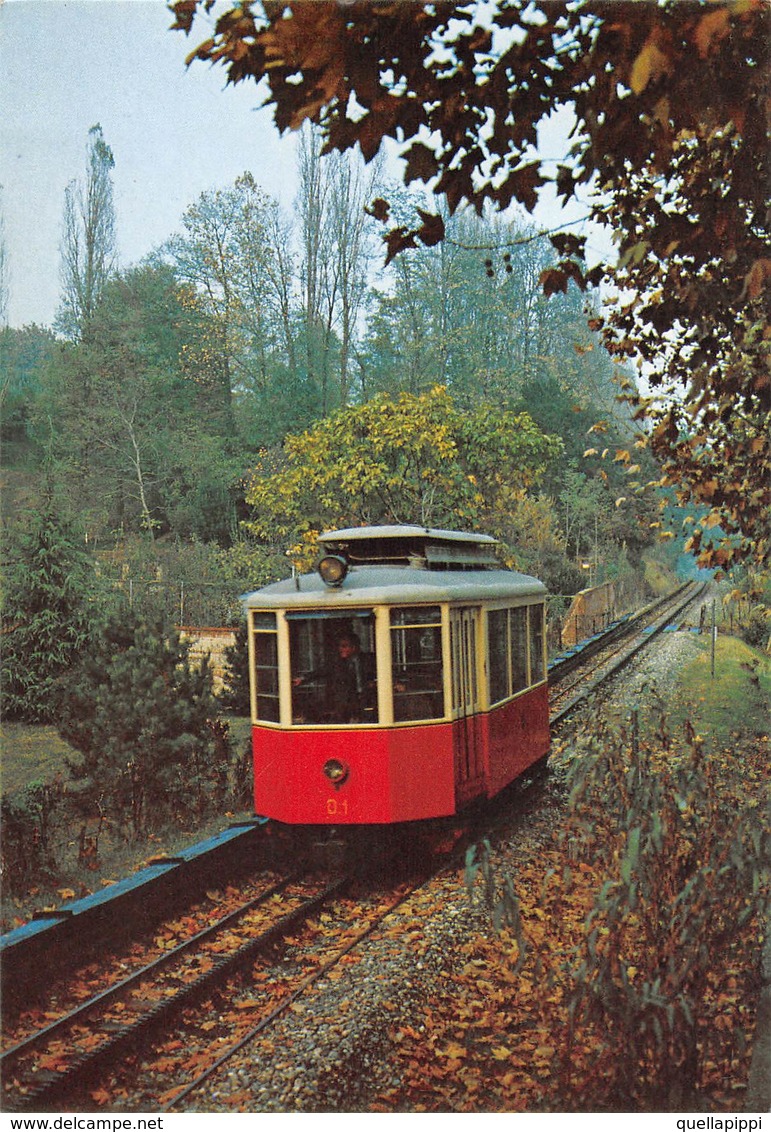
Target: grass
x=31 y=753
x=35 y=753
x=735 y=701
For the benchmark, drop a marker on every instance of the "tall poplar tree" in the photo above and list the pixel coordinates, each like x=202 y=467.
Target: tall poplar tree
x=89 y=244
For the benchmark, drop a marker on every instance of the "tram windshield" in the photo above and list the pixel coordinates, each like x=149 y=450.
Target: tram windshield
x=332 y=665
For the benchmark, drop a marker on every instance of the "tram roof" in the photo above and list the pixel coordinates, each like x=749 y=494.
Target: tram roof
x=356 y=534
x=395 y=585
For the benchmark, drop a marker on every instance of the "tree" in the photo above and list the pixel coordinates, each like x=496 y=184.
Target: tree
x=133 y=416
x=235 y=695
x=88 y=248
x=670 y=104
x=24 y=355
x=49 y=607
x=336 y=252
x=140 y=715
x=224 y=256
x=405 y=459
x=477 y=321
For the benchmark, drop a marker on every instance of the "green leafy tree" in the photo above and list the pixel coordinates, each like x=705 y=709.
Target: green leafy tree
x=465 y=316
x=669 y=145
x=141 y=715
x=235 y=695
x=24 y=354
x=411 y=458
x=132 y=414
x=49 y=608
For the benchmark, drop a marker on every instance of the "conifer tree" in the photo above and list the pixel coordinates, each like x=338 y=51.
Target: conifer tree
x=49 y=607
x=235 y=693
x=141 y=716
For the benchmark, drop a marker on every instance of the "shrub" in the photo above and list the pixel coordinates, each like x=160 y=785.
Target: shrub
x=142 y=718
x=756 y=631
x=642 y=929
x=681 y=862
x=28 y=819
x=48 y=611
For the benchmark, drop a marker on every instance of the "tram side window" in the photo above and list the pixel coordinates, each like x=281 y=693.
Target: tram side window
x=498 y=640
x=266 y=666
x=537 y=673
x=509 y=633
x=416 y=665
x=518 y=649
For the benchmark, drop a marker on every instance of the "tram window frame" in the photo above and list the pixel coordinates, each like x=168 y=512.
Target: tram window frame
x=265 y=636
x=498 y=667
x=518 y=643
x=417 y=695
x=535 y=629
x=508 y=652
x=314 y=636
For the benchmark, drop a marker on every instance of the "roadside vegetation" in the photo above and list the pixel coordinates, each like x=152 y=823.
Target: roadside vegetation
x=621 y=967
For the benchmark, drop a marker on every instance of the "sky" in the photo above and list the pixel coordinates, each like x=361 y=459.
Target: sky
x=174 y=131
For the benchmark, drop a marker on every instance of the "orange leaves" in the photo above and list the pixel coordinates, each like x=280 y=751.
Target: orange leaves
x=756 y=279
x=101 y=1097
x=650 y=65
x=711 y=29
x=452 y=1050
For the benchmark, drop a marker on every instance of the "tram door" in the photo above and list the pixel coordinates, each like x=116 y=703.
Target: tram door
x=467 y=736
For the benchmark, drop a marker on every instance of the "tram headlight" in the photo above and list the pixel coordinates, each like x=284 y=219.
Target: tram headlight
x=336 y=771
x=333 y=569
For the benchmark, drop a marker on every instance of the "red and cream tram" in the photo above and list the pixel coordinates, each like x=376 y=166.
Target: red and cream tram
x=403 y=681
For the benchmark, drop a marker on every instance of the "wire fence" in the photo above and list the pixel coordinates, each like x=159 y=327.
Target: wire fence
x=188 y=603
x=218 y=605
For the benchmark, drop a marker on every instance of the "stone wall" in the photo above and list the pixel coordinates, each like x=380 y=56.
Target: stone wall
x=212 y=641
x=591 y=611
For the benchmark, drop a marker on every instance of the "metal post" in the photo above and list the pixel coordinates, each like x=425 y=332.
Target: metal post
x=714 y=639
x=635 y=732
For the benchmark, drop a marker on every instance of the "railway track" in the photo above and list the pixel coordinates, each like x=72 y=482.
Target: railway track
x=342 y=947
x=133 y=1043
x=66 y=1054
x=61 y=939
x=580 y=672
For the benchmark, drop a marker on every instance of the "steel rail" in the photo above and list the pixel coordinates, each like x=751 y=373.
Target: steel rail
x=626 y=652
x=286 y=1002
x=83 y=1009
x=55 y=1085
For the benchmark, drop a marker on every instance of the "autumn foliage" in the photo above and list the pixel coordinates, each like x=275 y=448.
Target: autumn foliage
x=411 y=458
x=670 y=142
x=618 y=971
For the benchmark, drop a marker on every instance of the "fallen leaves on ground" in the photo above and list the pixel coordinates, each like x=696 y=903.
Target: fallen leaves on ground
x=493 y=1038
